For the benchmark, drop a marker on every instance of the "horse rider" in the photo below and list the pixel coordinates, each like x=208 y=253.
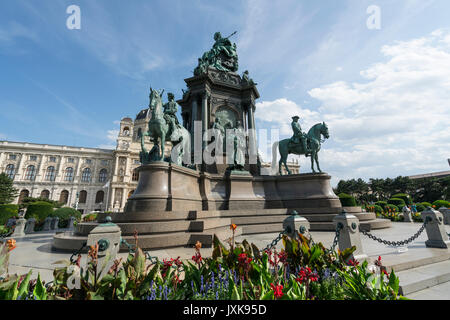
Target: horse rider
x=299 y=136
x=170 y=110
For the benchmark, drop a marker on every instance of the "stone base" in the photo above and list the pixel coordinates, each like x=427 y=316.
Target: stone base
x=175 y=206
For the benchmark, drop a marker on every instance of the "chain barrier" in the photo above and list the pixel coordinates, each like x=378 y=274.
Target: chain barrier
x=274 y=241
x=152 y=259
x=336 y=237
x=77 y=252
x=396 y=243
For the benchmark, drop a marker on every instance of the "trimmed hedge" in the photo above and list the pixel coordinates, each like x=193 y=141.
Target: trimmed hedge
x=426 y=204
x=64 y=214
x=403 y=196
x=441 y=203
x=397 y=202
x=39 y=210
x=382 y=204
x=8 y=211
x=420 y=207
x=378 y=209
x=347 y=200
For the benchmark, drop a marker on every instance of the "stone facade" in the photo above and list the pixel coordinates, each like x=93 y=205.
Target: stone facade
x=88 y=179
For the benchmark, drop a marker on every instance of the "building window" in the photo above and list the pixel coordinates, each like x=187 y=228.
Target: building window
x=30 y=174
x=10 y=171
x=50 y=174
x=135 y=176
x=45 y=194
x=137 y=161
x=88 y=161
x=33 y=158
x=12 y=157
x=70 y=160
x=99 y=196
x=68 y=175
x=103 y=175
x=105 y=162
x=64 y=197
x=86 y=175
x=82 y=197
x=126 y=131
x=52 y=159
x=23 y=194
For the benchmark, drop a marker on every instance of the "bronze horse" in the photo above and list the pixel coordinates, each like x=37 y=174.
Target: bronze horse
x=286 y=147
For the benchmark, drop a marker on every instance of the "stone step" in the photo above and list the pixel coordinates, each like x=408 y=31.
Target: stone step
x=423 y=277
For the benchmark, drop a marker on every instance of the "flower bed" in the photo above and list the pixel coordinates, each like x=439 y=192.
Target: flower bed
x=303 y=270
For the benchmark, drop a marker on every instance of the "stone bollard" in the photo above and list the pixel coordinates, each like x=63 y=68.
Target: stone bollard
x=19 y=230
x=437 y=236
x=47 y=224
x=108 y=237
x=29 y=226
x=54 y=223
x=70 y=223
x=407 y=214
x=349 y=234
x=446 y=213
x=295 y=223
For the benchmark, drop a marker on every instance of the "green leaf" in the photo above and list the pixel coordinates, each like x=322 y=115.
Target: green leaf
x=23 y=288
x=39 y=291
x=94 y=296
x=268 y=296
x=394 y=282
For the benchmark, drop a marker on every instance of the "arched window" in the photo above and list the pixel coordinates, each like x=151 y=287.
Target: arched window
x=10 y=171
x=30 y=174
x=45 y=194
x=99 y=196
x=82 y=196
x=68 y=175
x=64 y=197
x=50 y=174
x=103 y=175
x=86 y=175
x=126 y=131
x=135 y=176
x=23 y=194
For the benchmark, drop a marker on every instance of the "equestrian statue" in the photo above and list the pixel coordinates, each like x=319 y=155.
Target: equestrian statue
x=164 y=126
x=301 y=143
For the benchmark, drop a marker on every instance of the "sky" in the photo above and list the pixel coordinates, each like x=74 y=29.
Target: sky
x=379 y=79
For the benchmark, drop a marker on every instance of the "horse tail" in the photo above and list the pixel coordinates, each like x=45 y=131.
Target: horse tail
x=274 y=157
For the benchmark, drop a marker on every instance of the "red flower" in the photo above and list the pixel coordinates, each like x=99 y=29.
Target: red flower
x=283 y=257
x=277 y=290
x=197 y=257
x=353 y=262
x=305 y=275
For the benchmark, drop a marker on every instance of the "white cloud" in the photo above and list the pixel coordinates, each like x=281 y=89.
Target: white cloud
x=396 y=122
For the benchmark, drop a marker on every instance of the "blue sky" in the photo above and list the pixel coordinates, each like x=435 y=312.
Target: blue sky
x=382 y=92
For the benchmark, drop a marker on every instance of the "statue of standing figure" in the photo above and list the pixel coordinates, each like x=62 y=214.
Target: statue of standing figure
x=219 y=132
x=239 y=147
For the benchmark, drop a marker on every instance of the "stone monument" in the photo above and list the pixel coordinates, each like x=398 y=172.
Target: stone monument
x=190 y=196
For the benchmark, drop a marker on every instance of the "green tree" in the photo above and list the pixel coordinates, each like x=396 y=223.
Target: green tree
x=7 y=192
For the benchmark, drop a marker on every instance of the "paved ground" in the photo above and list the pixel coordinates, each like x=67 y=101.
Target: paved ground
x=34 y=251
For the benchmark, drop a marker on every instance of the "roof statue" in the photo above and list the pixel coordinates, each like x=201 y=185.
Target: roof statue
x=222 y=56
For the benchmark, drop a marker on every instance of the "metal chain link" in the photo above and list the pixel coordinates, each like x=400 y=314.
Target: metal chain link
x=274 y=241
x=336 y=237
x=153 y=259
x=396 y=243
x=77 y=252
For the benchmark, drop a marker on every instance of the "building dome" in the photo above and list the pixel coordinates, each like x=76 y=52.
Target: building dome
x=142 y=114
